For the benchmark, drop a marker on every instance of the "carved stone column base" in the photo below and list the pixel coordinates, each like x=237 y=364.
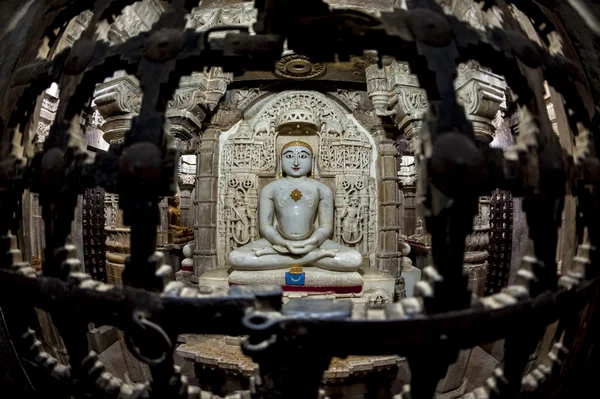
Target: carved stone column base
x=476 y=266
x=477 y=273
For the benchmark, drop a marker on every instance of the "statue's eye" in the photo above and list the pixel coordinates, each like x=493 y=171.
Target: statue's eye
x=303 y=156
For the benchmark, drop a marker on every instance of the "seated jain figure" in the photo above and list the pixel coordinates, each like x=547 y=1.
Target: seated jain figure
x=295 y=201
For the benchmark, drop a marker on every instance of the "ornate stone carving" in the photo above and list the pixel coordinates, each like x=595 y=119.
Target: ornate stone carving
x=355 y=213
x=378 y=89
x=203 y=19
x=240 y=205
x=350 y=153
x=351 y=98
x=47 y=115
x=481 y=93
x=241 y=99
x=408 y=100
x=117 y=101
x=134 y=19
x=407 y=172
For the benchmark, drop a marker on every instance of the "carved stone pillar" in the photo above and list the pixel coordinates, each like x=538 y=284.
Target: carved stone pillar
x=481 y=93
x=388 y=256
x=409 y=103
x=205 y=202
x=118 y=101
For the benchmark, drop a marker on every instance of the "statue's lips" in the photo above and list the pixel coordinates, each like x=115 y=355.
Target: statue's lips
x=295 y=168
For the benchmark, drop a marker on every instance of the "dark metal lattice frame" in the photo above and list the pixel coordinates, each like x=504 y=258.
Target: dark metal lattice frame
x=501 y=235
x=94 y=236
x=428 y=330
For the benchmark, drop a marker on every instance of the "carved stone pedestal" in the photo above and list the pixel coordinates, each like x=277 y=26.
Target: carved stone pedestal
x=312 y=280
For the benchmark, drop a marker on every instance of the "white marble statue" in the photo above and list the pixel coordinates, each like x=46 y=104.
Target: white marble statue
x=295 y=201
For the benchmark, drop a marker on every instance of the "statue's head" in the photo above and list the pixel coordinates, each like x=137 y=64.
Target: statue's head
x=296 y=159
x=174 y=200
x=354 y=200
x=239 y=199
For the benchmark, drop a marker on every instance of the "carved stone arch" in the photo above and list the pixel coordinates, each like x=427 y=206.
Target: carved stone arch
x=324 y=108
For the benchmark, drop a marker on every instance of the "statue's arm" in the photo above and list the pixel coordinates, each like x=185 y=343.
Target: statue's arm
x=266 y=214
x=325 y=229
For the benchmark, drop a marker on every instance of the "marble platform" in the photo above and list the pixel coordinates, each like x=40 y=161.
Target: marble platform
x=315 y=280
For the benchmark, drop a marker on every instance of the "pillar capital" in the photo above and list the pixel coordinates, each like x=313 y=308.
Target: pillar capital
x=482 y=94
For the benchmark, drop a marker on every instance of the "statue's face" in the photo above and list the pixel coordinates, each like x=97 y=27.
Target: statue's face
x=296 y=161
x=175 y=201
x=354 y=201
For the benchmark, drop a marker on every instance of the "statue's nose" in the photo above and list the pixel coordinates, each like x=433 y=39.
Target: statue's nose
x=295 y=160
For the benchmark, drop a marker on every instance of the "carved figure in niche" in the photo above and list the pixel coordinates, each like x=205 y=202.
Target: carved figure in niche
x=177 y=233
x=351 y=218
x=240 y=219
x=295 y=201
x=420 y=234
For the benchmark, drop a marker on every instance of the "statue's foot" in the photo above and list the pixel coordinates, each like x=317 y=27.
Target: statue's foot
x=326 y=253
x=264 y=251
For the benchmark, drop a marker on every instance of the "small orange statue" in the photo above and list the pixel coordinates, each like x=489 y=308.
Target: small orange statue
x=177 y=233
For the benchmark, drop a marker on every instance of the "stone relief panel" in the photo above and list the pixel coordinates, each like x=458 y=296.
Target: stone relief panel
x=238 y=204
x=355 y=212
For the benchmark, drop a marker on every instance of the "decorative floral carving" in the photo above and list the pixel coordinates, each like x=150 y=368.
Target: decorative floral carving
x=241 y=99
x=417 y=100
x=351 y=98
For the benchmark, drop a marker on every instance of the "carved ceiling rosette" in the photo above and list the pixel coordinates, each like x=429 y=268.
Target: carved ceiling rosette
x=481 y=93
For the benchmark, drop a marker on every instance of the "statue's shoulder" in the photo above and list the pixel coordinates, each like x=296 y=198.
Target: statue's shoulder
x=269 y=187
x=324 y=188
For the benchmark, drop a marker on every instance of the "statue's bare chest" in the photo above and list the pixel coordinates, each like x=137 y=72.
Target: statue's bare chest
x=296 y=195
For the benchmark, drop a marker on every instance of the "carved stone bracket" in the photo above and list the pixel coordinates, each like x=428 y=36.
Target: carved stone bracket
x=134 y=19
x=481 y=92
x=118 y=100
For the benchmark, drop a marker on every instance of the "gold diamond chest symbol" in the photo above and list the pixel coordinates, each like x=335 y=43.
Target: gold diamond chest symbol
x=296 y=195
